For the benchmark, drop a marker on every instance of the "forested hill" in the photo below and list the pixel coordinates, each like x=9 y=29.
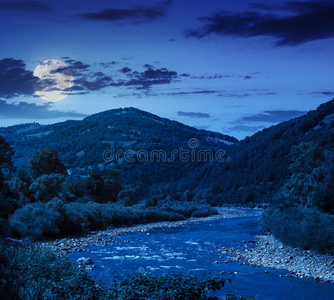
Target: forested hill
x=81 y=145
x=258 y=167
x=260 y=163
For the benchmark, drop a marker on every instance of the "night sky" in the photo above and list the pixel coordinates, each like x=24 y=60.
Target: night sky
x=234 y=67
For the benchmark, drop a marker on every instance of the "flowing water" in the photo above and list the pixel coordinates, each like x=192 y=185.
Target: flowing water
x=197 y=247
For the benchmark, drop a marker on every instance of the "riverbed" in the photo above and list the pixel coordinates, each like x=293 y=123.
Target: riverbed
x=199 y=246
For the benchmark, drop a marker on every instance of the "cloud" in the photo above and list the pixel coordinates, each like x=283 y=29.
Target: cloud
x=87 y=80
x=15 y=80
x=137 y=14
x=147 y=78
x=24 y=110
x=216 y=76
x=203 y=127
x=198 y=115
x=325 y=93
x=25 y=6
x=243 y=128
x=271 y=116
x=299 y=23
x=206 y=92
x=222 y=93
x=125 y=70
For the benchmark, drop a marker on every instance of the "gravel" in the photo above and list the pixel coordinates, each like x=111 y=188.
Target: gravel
x=271 y=253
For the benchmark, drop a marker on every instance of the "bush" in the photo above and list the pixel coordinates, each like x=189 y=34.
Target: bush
x=167 y=286
x=56 y=218
x=4 y=227
x=301 y=227
x=204 y=211
x=31 y=272
x=46 y=187
x=81 y=217
x=36 y=220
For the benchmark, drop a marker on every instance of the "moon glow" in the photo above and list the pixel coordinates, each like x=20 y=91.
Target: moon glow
x=55 y=80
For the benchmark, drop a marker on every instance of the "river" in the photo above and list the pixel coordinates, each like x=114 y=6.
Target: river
x=198 y=247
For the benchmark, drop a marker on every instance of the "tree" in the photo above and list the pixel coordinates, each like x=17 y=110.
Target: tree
x=46 y=162
x=104 y=185
x=6 y=155
x=46 y=187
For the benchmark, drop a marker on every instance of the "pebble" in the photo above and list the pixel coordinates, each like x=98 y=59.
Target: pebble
x=271 y=253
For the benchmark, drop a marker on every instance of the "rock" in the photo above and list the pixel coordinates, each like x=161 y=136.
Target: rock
x=85 y=261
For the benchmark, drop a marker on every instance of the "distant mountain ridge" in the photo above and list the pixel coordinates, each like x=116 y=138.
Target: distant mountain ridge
x=257 y=168
x=81 y=144
x=121 y=127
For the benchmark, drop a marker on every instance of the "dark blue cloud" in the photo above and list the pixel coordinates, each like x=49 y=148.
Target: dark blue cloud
x=146 y=79
x=25 y=110
x=309 y=21
x=271 y=116
x=198 y=115
x=137 y=14
x=15 y=80
x=243 y=128
x=25 y=6
x=325 y=93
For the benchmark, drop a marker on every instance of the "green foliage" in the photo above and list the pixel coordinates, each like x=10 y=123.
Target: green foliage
x=81 y=217
x=104 y=185
x=46 y=162
x=36 y=220
x=301 y=215
x=6 y=206
x=46 y=187
x=31 y=273
x=305 y=157
x=168 y=287
x=56 y=218
x=19 y=184
x=302 y=227
x=6 y=155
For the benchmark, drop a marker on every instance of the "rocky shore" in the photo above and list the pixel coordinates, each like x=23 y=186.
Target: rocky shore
x=107 y=237
x=271 y=253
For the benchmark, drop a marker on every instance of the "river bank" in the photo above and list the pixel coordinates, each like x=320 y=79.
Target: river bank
x=105 y=237
x=271 y=253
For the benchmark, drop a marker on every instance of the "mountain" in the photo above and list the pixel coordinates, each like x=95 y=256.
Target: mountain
x=145 y=147
x=251 y=170
x=260 y=163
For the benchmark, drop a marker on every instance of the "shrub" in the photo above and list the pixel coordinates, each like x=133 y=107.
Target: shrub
x=36 y=220
x=81 y=217
x=167 y=286
x=46 y=187
x=204 y=211
x=31 y=272
x=301 y=227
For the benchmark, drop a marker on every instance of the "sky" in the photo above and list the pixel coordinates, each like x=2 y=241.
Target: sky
x=233 y=67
